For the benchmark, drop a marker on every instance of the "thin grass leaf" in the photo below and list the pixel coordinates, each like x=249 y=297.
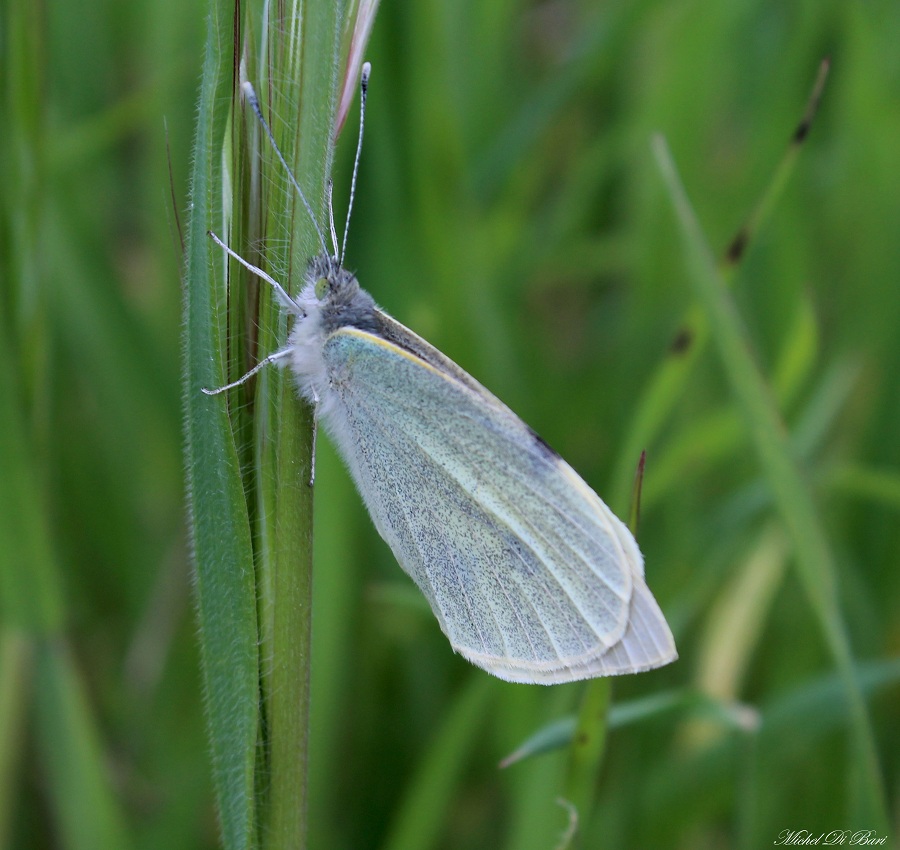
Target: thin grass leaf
x=560 y=732
x=291 y=55
x=30 y=596
x=225 y=588
x=880 y=486
x=418 y=819
x=785 y=727
x=737 y=616
x=297 y=66
x=86 y=812
x=597 y=42
x=824 y=698
x=717 y=434
x=769 y=199
x=554 y=736
x=16 y=660
x=666 y=387
x=588 y=746
x=792 y=495
x=589 y=740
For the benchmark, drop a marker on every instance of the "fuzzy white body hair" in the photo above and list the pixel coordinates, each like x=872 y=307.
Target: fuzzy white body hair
x=306 y=342
x=330 y=299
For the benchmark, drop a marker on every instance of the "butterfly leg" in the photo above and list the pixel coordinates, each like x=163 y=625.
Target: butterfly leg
x=272 y=358
x=315 y=434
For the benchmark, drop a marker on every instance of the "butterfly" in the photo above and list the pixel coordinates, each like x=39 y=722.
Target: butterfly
x=530 y=575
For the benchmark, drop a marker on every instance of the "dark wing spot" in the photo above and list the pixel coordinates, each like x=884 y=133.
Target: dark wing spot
x=544 y=448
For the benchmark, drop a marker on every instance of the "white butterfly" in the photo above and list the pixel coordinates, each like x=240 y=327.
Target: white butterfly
x=529 y=574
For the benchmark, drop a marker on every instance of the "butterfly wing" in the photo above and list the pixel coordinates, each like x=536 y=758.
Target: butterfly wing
x=530 y=575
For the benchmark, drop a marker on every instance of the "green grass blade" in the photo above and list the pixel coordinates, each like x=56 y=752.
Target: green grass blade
x=418 y=819
x=589 y=740
x=560 y=732
x=791 y=493
x=767 y=202
x=587 y=748
x=29 y=578
x=822 y=697
x=667 y=385
x=881 y=486
x=86 y=813
x=291 y=56
x=16 y=660
x=29 y=582
x=225 y=588
x=297 y=85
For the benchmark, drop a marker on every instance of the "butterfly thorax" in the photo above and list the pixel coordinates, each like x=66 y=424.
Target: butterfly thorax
x=331 y=299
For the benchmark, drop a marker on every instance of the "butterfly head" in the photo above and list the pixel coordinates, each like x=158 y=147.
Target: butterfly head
x=334 y=294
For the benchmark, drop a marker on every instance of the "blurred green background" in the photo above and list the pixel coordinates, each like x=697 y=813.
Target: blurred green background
x=509 y=210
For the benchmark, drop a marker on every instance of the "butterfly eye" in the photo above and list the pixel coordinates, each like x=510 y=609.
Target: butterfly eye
x=322 y=287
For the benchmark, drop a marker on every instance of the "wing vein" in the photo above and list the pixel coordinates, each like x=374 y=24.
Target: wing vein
x=546 y=574
x=390 y=438
x=563 y=585
x=452 y=558
x=601 y=522
x=395 y=401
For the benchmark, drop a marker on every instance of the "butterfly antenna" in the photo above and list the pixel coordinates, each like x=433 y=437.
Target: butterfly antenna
x=363 y=86
x=331 y=216
x=250 y=94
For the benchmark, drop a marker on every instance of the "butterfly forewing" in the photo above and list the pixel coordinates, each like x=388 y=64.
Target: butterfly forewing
x=528 y=572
